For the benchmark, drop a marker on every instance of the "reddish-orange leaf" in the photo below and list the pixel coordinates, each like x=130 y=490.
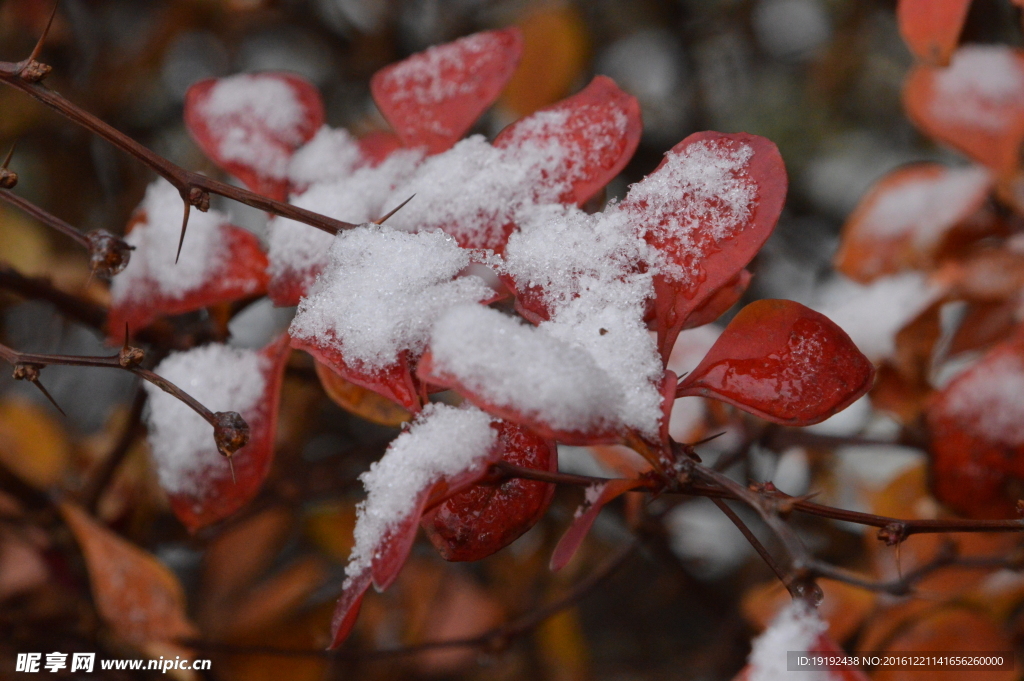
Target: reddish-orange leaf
x=783 y=362
x=376 y=146
x=489 y=516
x=976 y=428
x=239 y=273
x=905 y=218
x=708 y=208
x=975 y=105
x=251 y=124
x=395 y=382
x=433 y=97
x=222 y=493
x=720 y=302
x=135 y=594
x=597 y=497
x=931 y=28
x=359 y=400
x=599 y=127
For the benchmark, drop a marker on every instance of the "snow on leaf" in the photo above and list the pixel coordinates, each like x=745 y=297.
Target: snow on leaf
x=931 y=28
x=446 y=450
x=298 y=252
x=251 y=124
x=331 y=155
x=551 y=384
x=783 y=362
x=598 y=128
x=219 y=263
x=707 y=209
x=135 y=594
x=976 y=426
x=369 y=315
x=433 y=97
x=195 y=476
x=975 y=105
x=904 y=219
x=487 y=517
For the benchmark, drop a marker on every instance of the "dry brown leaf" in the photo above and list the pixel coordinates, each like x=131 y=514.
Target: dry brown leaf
x=330 y=527
x=135 y=594
x=563 y=647
x=22 y=567
x=33 y=444
x=360 y=401
x=275 y=598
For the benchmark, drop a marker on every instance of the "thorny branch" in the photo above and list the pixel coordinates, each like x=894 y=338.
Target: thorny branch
x=230 y=431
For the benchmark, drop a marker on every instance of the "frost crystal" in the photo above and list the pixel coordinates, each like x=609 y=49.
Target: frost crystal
x=156 y=243
x=443 y=441
x=220 y=378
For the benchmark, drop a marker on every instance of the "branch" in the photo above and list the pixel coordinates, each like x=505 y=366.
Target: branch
x=94 y=492
x=195 y=189
x=230 y=431
x=81 y=310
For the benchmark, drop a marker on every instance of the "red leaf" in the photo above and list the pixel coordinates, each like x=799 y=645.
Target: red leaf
x=904 y=219
x=433 y=97
x=720 y=302
x=977 y=436
x=783 y=362
x=488 y=517
x=240 y=273
x=395 y=382
x=221 y=495
x=708 y=208
x=346 y=612
x=976 y=105
x=286 y=289
x=251 y=124
x=597 y=497
x=378 y=145
x=931 y=28
x=599 y=127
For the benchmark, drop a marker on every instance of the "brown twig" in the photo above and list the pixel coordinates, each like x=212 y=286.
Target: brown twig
x=94 y=492
x=81 y=310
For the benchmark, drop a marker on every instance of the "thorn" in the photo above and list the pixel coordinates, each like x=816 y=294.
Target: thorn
x=184 y=224
x=42 y=38
x=43 y=390
x=125 y=346
x=394 y=210
x=10 y=155
x=707 y=439
x=231 y=465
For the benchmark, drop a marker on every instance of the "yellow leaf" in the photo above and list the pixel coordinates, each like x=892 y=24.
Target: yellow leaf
x=360 y=401
x=135 y=594
x=32 y=443
x=330 y=527
x=564 y=647
x=555 y=52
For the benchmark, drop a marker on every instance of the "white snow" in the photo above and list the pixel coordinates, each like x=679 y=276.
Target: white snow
x=516 y=366
x=797 y=627
x=699 y=198
x=382 y=291
x=222 y=379
x=331 y=155
x=981 y=88
x=925 y=208
x=989 y=399
x=872 y=315
x=433 y=75
x=252 y=115
x=156 y=243
x=362 y=196
x=442 y=441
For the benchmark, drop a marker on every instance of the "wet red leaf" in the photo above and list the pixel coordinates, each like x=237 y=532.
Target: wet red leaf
x=954 y=106
x=433 y=97
x=600 y=127
x=977 y=440
x=241 y=273
x=395 y=382
x=720 y=302
x=489 y=516
x=783 y=362
x=697 y=247
x=931 y=28
x=251 y=130
x=221 y=495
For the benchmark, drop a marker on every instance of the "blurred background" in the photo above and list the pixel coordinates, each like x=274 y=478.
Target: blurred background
x=821 y=78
